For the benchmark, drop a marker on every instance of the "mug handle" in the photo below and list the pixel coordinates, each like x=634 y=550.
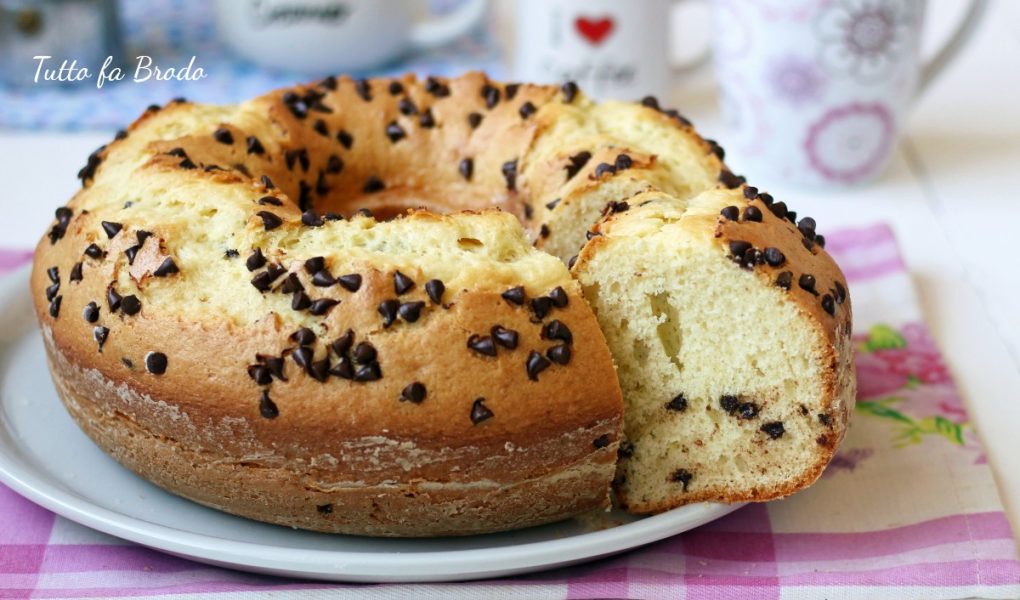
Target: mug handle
x=696 y=62
x=445 y=29
x=945 y=55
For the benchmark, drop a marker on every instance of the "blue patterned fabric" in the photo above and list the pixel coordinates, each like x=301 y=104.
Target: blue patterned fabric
x=171 y=31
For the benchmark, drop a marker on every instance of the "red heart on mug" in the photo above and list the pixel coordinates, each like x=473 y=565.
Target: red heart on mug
x=594 y=30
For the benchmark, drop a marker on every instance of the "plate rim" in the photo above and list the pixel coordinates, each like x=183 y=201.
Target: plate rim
x=338 y=565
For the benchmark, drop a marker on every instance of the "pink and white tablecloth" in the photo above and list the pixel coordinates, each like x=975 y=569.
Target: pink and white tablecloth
x=908 y=508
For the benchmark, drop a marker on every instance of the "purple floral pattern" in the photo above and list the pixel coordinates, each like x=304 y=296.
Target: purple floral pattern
x=864 y=39
x=850 y=142
x=795 y=80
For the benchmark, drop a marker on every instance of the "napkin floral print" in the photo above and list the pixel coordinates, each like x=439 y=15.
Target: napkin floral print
x=903 y=380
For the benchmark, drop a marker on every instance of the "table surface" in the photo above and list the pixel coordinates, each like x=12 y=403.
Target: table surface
x=954 y=175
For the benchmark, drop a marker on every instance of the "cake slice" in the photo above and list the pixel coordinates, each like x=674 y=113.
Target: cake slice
x=730 y=327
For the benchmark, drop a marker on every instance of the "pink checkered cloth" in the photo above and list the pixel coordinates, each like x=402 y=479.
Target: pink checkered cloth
x=907 y=509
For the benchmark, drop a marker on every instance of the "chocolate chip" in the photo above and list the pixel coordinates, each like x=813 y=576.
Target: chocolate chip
x=730 y=180
x=623 y=161
x=526 y=110
x=410 y=311
x=577 y=163
x=343 y=344
x=300 y=301
x=407 y=107
x=413 y=392
x=479 y=412
x=559 y=354
x=791 y=216
x=324 y=509
x=572 y=262
x=388 y=310
x=601 y=442
x=535 y=364
x=319 y=370
x=716 y=149
x=94 y=251
x=750 y=192
x=364 y=89
x=807 y=227
x=828 y=305
x=510 y=174
x=323 y=279
x=541 y=306
x=683 y=477
x=551 y=205
x=677 y=404
x=343 y=369
x=820 y=240
x=276 y=366
x=738 y=248
x=729 y=403
x=350 y=282
x=91 y=312
x=779 y=209
x=223 y=136
x=426 y=120
x=569 y=90
x=267 y=408
x=395 y=88
x=748 y=410
x=113 y=299
x=51 y=292
x=370 y=372
x=466 y=168
x=310 y=219
x=99 y=334
x=256 y=260
x=543 y=231
x=774 y=256
x=514 y=295
x=269 y=220
x=402 y=283
x=167 y=267
x=131 y=305
x=395 y=132
x=614 y=207
x=807 y=282
x=604 y=168
x=76 y=274
x=650 y=102
x=528 y=211
x=372 y=185
x=784 y=280
x=504 y=337
x=111 y=229
x=474 y=120
x=482 y=345
x=346 y=140
x=322 y=306
x=556 y=330
x=155 y=363
x=363 y=212
x=254 y=146
x=731 y=213
x=54 y=274
x=435 y=289
x=436 y=88
x=302 y=356
x=491 y=95
x=559 y=297
x=752 y=213
x=303 y=336
x=774 y=429
x=840 y=292
x=260 y=374
x=511 y=90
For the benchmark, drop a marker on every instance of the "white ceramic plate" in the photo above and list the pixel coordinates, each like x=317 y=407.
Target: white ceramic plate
x=46 y=458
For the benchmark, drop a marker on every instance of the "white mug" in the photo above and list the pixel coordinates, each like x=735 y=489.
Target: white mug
x=610 y=48
x=815 y=91
x=332 y=36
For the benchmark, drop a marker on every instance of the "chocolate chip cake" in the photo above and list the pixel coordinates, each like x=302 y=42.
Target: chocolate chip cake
x=344 y=307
